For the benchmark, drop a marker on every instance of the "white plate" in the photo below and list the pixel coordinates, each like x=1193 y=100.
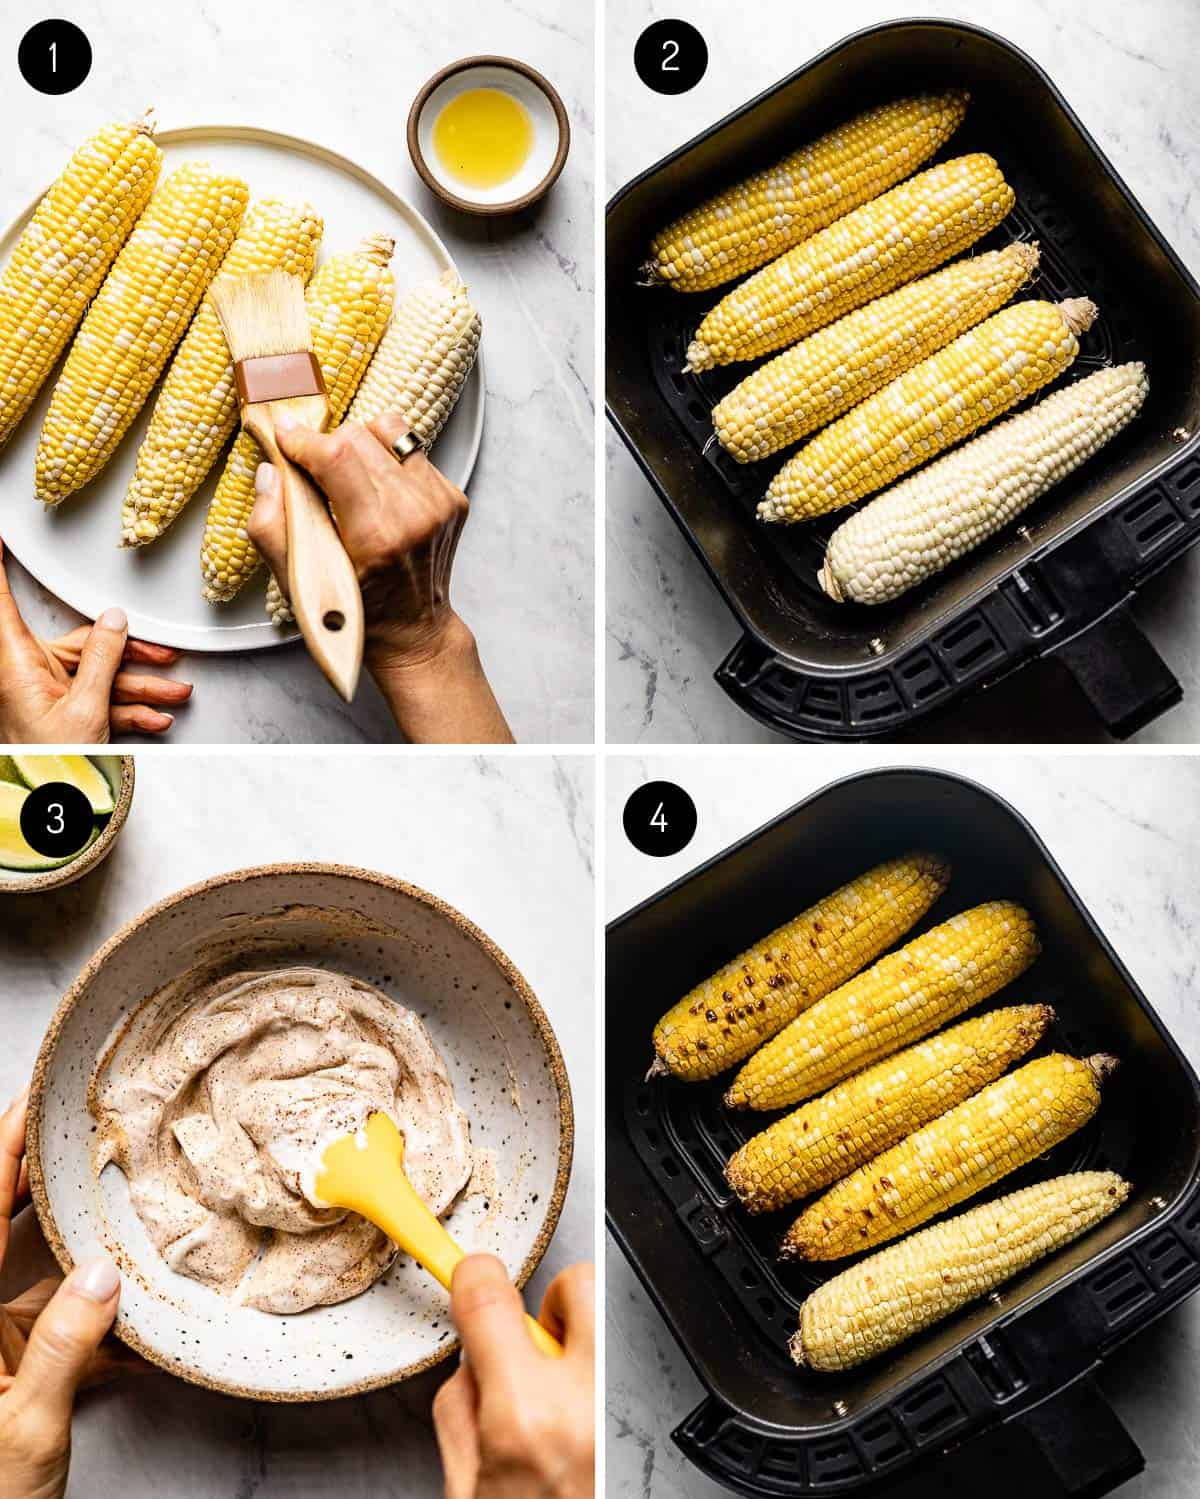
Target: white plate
x=72 y=549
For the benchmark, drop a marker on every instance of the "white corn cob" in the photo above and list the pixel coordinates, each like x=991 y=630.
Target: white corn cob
x=909 y=1286
x=929 y=520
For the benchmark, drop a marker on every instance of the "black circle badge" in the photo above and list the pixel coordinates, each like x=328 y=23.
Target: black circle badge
x=670 y=57
x=659 y=818
x=54 y=57
x=56 y=819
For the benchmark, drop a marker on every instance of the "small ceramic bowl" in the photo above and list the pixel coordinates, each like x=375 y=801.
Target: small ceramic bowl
x=551 y=134
x=119 y=771
x=503 y=1059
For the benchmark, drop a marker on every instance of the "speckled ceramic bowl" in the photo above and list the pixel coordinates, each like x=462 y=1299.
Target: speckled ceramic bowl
x=119 y=770
x=503 y=1059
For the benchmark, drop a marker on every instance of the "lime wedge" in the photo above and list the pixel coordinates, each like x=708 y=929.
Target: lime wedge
x=76 y=770
x=9 y=771
x=15 y=853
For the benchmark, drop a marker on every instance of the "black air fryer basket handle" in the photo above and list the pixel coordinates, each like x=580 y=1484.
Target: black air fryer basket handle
x=1121 y=674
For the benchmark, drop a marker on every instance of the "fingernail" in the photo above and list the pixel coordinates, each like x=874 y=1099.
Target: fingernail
x=98 y=1279
x=462 y=1358
x=285 y=422
x=264 y=477
x=113 y=619
x=170 y=719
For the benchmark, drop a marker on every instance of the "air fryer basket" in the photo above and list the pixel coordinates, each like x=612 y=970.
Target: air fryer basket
x=1012 y=1371
x=1060 y=579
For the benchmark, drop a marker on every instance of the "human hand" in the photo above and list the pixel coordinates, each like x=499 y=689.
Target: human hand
x=400 y=524
x=514 y=1423
x=77 y=689
x=50 y=1344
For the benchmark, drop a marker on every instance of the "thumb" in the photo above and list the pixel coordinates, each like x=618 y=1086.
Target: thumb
x=266 y=525
x=64 y=1339
x=100 y=660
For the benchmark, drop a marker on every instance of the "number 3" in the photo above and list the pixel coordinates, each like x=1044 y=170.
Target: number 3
x=670 y=53
x=55 y=808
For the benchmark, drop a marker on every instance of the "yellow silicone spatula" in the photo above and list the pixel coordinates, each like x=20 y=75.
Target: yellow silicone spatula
x=365 y=1173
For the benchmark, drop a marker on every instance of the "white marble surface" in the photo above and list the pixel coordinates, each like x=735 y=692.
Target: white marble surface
x=1126 y=831
x=345 y=77
x=1129 y=73
x=508 y=840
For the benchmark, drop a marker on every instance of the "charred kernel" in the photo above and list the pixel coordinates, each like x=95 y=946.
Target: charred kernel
x=710 y=1016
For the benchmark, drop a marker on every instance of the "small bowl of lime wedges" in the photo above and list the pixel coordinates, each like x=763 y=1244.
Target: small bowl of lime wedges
x=59 y=817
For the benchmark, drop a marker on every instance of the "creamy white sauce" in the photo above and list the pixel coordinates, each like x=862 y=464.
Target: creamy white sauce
x=217 y=1101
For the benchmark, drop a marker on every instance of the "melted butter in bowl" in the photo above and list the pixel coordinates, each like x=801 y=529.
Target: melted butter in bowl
x=216 y=1100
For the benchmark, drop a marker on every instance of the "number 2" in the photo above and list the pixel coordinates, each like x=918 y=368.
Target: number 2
x=658 y=820
x=670 y=53
x=52 y=827
x=54 y=57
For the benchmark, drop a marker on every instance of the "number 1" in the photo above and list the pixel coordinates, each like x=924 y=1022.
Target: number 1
x=670 y=53
x=54 y=57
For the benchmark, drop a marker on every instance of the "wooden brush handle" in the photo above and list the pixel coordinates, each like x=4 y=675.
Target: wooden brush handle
x=323 y=585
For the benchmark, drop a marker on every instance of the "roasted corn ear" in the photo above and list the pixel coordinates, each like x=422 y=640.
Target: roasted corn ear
x=139 y=315
x=880 y=246
x=940 y=513
x=903 y=997
x=830 y=1136
x=723 y=1019
x=1010 y=1123
x=909 y=1286
x=197 y=407
x=930 y=408
x=757 y=219
x=826 y=374
x=64 y=253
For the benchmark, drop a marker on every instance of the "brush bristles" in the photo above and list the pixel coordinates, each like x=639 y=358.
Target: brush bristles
x=262 y=314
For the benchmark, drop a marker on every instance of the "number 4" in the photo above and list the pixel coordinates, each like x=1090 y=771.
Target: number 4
x=658 y=820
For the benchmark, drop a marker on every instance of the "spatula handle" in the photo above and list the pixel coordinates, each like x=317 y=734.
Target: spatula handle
x=325 y=595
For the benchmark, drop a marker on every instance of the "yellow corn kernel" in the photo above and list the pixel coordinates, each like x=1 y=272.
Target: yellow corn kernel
x=197 y=407
x=816 y=380
x=139 y=315
x=64 y=253
x=903 y=997
x=931 y=407
x=723 y=1019
x=349 y=301
x=880 y=246
x=760 y=217
x=830 y=1136
x=901 y=1290
x=1010 y=1123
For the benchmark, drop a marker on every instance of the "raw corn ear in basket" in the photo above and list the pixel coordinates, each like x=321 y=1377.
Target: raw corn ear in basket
x=1010 y=1123
x=723 y=1019
x=64 y=254
x=419 y=369
x=907 y=1287
x=197 y=407
x=905 y=995
x=940 y=513
x=832 y=370
x=139 y=315
x=760 y=217
x=931 y=407
x=910 y=230
x=349 y=301
x=831 y=1135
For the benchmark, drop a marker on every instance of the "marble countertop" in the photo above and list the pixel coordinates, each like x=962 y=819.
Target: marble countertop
x=524 y=576
x=1129 y=73
x=416 y=818
x=1086 y=808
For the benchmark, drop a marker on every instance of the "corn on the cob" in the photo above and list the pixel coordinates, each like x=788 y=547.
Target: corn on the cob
x=349 y=301
x=931 y=407
x=809 y=384
x=141 y=312
x=1007 y=1125
x=907 y=1287
x=939 y=514
x=64 y=253
x=827 y=1138
x=905 y=995
x=723 y=1019
x=757 y=219
x=197 y=407
x=873 y=250
x=419 y=369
